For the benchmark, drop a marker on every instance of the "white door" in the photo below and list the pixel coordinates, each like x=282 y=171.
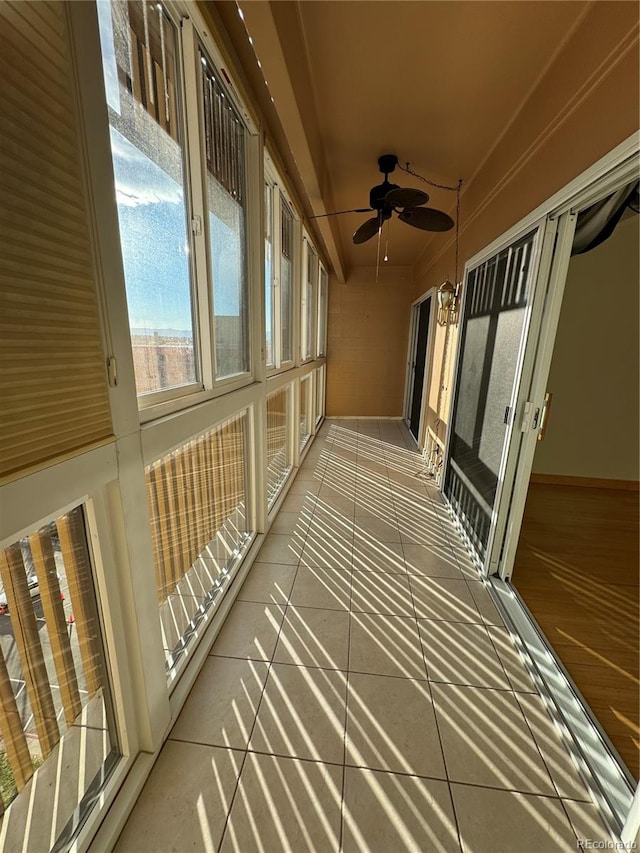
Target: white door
x=503 y=300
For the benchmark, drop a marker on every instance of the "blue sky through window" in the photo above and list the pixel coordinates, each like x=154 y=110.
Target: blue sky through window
x=154 y=240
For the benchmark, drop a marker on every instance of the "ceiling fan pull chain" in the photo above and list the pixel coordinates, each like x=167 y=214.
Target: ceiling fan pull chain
x=386 y=248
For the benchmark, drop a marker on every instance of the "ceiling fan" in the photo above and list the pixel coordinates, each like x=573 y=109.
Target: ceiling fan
x=387 y=198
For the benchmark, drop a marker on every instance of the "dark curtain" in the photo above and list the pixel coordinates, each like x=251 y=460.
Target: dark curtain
x=597 y=223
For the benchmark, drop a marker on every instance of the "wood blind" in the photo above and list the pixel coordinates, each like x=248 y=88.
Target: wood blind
x=192 y=492
x=53 y=391
x=277 y=441
x=59 y=669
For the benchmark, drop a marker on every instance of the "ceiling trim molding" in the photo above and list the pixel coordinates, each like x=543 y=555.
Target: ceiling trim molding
x=607 y=66
x=265 y=22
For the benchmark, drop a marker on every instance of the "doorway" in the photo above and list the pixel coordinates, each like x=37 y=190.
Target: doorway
x=576 y=564
x=417 y=365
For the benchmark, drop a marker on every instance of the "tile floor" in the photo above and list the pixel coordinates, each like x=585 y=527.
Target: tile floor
x=363 y=694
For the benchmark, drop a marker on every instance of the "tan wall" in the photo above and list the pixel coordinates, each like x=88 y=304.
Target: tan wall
x=593 y=426
x=586 y=104
x=367 y=342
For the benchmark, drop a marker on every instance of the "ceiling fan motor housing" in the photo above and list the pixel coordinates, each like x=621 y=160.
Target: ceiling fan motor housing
x=385 y=198
x=377 y=195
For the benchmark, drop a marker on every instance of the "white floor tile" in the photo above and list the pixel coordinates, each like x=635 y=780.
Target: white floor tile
x=391 y=725
x=486 y=740
x=250 y=631
x=302 y=714
x=493 y=821
x=385 y=645
x=314 y=637
x=387 y=813
x=173 y=811
x=285 y=806
x=222 y=705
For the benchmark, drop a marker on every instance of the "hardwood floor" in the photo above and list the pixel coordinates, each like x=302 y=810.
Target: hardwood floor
x=577 y=571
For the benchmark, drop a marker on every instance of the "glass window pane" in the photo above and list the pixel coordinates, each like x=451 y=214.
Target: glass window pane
x=278 y=460
x=320 y=380
x=268 y=274
x=139 y=61
x=286 y=291
x=305 y=410
x=58 y=735
x=198 y=505
x=226 y=198
x=308 y=306
x=323 y=289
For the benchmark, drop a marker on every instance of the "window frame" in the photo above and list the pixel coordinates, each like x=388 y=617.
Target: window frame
x=269 y=190
x=322 y=319
x=240 y=378
x=191 y=40
x=279 y=196
x=147 y=401
x=308 y=321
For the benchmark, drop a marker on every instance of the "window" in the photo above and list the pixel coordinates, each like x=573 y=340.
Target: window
x=280 y=253
x=224 y=134
x=58 y=735
x=323 y=295
x=139 y=48
x=286 y=282
x=306 y=425
x=278 y=456
x=320 y=374
x=269 y=292
x=198 y=505
x=309 y=333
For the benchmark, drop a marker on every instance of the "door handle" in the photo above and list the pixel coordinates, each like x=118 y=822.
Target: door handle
x=544 y=417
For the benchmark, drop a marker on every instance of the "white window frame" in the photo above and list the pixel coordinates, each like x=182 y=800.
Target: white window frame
x=192 y=37
x=211 y=380
x=308 y=325
x=269 y=188
x=322 y=303
x=278 y=195
x=156 y=401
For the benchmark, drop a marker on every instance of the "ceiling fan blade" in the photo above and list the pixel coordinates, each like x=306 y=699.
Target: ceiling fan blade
x=367 y=230
x=426 y=218
x=338 y=212
x=406 y=197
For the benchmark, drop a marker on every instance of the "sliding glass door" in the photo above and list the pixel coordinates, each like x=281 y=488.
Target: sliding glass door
x=487 y=412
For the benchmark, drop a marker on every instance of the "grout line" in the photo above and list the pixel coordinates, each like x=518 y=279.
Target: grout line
x=262 y=692
x=543 y=759
x=398 y=462
x=346 y=715
x=510 y=791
